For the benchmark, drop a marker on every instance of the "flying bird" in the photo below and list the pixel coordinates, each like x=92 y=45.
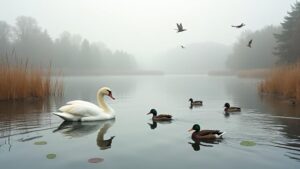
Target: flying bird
x=250 y=43
x=180 y=27
x=239 y=26
x=182 y=47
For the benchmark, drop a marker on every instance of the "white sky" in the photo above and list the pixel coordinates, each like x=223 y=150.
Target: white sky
x=145 y=28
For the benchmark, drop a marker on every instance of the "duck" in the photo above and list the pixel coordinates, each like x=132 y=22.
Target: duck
x=79 y=110
x=250 y=43
x=160 y=117
x=205 y=134
x=180 y=27
x=239 y=26
x=195 y=103
x=228 y=108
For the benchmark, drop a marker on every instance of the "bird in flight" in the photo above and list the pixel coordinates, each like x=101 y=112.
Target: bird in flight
x=250 y=43
x=182 y=47
x=239 y=26
x=180 y=27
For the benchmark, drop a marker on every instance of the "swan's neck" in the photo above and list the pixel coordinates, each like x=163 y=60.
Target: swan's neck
x=101 y=102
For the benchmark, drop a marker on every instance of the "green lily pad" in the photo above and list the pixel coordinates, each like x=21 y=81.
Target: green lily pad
x=95 y=160
x=248 y=143
x=40 y=143
x=51 y=156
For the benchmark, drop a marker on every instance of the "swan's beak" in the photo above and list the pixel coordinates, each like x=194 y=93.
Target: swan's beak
x=190 y=130
x=111 y=96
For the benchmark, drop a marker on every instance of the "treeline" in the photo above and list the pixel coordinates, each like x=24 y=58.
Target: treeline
x=69 y=53
x=272 y=45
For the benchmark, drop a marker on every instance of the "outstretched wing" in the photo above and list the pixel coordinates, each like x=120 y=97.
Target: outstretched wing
x=178 y=26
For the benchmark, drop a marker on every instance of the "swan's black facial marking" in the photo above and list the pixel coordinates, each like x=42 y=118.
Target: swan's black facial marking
x=110 y=94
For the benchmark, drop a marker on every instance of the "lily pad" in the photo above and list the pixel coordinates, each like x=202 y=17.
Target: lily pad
x=40 y=143
x=51 y=156
x=248 y=143
x=95 y=160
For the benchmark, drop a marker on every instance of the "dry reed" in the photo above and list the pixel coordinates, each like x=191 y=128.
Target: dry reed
x=18 y=80
x=283 y=81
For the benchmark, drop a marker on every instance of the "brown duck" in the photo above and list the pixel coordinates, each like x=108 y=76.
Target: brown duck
x=195 y=103
x=228 y=108
x=160 y=117
x=205 y=134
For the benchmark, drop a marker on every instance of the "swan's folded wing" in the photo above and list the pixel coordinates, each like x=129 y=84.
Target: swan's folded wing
x=83 y=110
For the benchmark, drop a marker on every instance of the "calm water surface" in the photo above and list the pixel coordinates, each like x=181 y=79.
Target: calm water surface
x=132 y=140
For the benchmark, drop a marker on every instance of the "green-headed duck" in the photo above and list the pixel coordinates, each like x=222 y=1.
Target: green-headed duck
x=205 y=134
x=228 y=108
x=160 y=117
x=195 y=103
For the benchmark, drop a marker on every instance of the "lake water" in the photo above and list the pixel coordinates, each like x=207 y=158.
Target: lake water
x=271 y=123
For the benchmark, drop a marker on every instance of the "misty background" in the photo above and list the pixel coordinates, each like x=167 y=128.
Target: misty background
x=98 y=36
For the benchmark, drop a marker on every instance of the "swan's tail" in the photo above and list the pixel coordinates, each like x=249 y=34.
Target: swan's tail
x=66 y=116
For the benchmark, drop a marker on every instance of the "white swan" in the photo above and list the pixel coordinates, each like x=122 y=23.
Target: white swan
x=79 y=110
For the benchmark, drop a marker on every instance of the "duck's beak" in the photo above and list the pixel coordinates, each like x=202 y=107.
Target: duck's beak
x=148 y=113
x=111 y=96
x=190 y=130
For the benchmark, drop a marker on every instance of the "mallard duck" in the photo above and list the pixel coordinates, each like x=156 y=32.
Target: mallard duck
x=205 y=134
x=195 y=103
x=160 y=117
x=228 y=108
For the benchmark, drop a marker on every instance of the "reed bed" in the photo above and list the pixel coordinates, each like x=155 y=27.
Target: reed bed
x=18 y=80
x=283 y=81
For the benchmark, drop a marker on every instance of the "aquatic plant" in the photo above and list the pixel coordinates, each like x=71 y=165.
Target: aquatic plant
x=283 y=81
x=19 y=80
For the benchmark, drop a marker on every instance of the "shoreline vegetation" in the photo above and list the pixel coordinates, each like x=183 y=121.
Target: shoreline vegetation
x=283 y=81
x=19 y=80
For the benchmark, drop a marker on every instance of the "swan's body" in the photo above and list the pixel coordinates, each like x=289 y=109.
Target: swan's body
x=79 y=110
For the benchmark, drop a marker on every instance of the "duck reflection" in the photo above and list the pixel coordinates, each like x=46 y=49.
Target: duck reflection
x=153 y=125
x=82 y=129
x=203 y=142
x=194 y=106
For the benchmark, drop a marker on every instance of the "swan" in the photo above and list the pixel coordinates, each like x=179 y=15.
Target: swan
x=79 y=110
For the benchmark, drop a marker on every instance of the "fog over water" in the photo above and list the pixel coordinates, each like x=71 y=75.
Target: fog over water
x=145 y=28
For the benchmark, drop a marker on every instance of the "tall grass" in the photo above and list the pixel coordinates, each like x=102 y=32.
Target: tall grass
x=18 y=80
x=283 y=81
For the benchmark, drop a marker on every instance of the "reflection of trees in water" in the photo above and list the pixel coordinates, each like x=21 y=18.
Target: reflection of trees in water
x=277 y=110
x=21 y=117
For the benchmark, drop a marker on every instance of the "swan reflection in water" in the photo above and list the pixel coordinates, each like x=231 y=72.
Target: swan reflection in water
x=204 y=142
x=153 y=125
x=80 y=129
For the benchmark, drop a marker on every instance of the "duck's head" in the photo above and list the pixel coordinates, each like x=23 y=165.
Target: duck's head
x=196 y=128
x=191 y=100
x=227 y=105
x=106 y=91
x=152 y=111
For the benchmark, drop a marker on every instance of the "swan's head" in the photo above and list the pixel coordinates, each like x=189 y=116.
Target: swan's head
x=196 y=128
x=106 y=91
x=227 y=105
x=153 y=111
